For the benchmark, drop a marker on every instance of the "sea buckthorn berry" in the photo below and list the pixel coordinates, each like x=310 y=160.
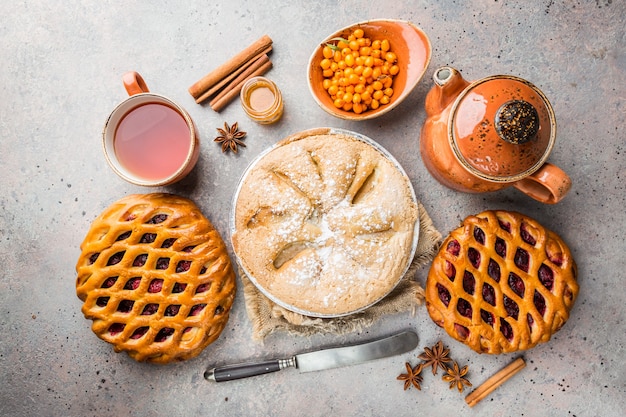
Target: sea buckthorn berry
x=358 y=71
x=391 y=57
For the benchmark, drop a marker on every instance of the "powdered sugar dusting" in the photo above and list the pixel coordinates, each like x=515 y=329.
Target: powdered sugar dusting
x=326 y=224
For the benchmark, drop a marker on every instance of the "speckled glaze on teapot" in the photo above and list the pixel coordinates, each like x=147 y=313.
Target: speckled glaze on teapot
x=490 y=134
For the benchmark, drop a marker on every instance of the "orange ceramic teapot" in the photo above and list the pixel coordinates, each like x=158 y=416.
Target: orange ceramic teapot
x=490 y=134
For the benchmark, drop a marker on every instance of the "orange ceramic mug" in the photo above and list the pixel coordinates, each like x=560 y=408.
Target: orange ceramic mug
x=148 y=139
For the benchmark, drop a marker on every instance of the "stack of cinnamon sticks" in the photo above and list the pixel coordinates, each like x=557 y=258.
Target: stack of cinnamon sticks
x=224 y=83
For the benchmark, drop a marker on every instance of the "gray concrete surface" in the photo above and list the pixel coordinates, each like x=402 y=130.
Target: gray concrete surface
x=60 y=76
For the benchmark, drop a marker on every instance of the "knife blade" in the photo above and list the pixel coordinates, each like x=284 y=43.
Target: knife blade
x=320 y=359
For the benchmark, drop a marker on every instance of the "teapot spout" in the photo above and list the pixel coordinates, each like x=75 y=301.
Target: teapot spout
x=448 y=85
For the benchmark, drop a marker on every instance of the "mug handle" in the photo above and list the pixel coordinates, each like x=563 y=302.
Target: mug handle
x=134 y=83
x=547 y=185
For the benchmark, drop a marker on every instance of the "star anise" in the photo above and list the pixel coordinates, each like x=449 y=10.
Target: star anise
x=437 y=357
x=230 y=137
x=456 y=376
x=412 y=376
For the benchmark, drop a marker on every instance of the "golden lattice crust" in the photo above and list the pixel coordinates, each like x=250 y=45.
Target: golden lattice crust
x=501 y=283
x=155 y=278
x=325 y=224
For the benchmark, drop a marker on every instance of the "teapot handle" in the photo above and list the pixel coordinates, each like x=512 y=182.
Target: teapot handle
x=547 y=185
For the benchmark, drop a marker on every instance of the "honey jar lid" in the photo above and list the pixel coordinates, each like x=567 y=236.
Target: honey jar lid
x=502 y=128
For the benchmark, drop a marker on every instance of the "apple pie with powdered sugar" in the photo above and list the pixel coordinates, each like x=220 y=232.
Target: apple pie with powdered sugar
x=324 y=224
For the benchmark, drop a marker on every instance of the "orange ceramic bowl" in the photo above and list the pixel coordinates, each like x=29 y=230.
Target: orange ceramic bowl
x=408 y=42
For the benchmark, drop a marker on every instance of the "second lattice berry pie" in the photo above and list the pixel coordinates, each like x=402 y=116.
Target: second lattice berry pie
x=501 y=283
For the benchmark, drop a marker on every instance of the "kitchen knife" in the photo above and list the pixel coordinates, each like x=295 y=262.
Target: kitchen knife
x=321 y=359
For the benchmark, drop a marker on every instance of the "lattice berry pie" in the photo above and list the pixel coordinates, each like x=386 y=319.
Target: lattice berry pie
x=155 y=278
x=501 y=282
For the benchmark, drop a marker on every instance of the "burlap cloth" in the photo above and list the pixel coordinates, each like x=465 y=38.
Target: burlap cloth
x=268 y=317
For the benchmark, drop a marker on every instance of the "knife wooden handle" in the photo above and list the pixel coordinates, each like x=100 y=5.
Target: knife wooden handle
x=244 y=370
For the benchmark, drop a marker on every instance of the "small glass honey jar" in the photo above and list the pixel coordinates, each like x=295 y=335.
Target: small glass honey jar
x=262 y=100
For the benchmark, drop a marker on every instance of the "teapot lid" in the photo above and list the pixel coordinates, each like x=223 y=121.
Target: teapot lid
x=502 y=128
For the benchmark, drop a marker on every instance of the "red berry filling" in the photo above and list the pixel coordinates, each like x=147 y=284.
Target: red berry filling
x=131 y=217
x=474 y=257
x=540 y=302
x=109 y=282
x=203 y=288
x=140 y=260
x=187 y=329
x=172 y=310
x=450 y=270
x=493 y=269
x=546 y=276
x=487 y=317
x=125 y=306
x=183 y=266
x=102 y=301
x=167 y=243
x=522 y=259
x=123 y=236
x=163 y=263
x=116 y=328
x=464 y=308
x=516 y=284
x=500 y=247
x=219 y=310
x=444 y=294
x=156 y=285
x=132 y=284
x=93 y=258
x=163 y=334
x=188 y=249
x=150 y=309
x=506 y=329
x=511 y=307
x=556 y=258
x=138 y=333
x=178 y=288
x=116 y=258
x=526 y=236
x=469 y=282
x=203 y=270
x=148 y=238
x=479 y=235
x=530 y=320
x=504 y=225
x=159 y=218
x=461 y=331
x=195 y=310
x=454 y=247
x=489 y=294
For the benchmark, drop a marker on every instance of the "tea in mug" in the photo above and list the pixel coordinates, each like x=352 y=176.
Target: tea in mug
x=152 y=141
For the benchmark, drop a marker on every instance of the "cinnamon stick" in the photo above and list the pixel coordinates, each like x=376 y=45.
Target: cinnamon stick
x=215 y=76
x=217 y=87
x=495 y=381
x=232 y=90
